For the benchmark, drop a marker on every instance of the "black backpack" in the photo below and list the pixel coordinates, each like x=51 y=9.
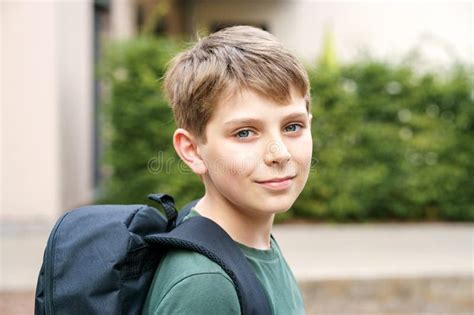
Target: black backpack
x=101 y=259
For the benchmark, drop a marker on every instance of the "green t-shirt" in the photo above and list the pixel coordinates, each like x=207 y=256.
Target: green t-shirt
x=190 y=283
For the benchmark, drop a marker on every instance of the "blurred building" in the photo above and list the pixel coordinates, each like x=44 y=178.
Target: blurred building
x=50 y=147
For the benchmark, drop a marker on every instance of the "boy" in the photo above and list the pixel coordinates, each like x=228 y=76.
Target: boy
x=242 y=105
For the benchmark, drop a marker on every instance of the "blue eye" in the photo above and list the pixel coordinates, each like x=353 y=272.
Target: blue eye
x=293 y=127
x=243 y=133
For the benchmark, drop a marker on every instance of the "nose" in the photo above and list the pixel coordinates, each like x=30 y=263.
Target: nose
x=277 y=153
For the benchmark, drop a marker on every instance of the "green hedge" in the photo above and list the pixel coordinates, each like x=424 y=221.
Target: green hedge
x=389 y=144
x=138 y=126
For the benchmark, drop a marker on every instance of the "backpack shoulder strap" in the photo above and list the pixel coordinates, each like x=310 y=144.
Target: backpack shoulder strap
x=204 y=236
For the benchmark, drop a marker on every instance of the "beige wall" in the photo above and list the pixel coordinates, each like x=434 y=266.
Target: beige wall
x=122 y=18
x=443 y=30
x=76 y=75
x=46 y=110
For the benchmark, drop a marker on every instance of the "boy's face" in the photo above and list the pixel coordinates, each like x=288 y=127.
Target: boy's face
x=258 y=153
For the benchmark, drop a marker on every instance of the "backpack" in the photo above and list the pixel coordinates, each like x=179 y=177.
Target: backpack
x=101 y=259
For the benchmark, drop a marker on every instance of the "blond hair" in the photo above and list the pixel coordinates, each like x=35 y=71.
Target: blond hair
x=224 y=62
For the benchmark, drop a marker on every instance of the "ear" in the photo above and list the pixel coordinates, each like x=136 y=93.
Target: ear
x=186 y=147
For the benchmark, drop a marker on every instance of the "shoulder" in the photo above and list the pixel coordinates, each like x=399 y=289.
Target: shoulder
x=186 y=281
x=183 y=262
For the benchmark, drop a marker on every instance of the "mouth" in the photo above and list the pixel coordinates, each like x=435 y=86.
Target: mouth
x=276 y=180
x=280 y=183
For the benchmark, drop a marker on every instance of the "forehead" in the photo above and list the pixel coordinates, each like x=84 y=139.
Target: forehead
x=247 y=103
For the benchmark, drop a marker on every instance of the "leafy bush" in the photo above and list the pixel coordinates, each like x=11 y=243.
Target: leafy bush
x=389 y=144
x=138 y=125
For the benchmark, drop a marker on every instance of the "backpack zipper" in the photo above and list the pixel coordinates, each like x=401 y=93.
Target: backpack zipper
x=49 y=268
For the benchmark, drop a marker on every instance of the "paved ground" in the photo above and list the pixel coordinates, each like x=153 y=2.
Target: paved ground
x=407 y=296
x=342 y=269
x=377 y=250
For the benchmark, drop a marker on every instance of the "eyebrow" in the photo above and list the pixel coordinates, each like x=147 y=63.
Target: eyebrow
x=250 y=121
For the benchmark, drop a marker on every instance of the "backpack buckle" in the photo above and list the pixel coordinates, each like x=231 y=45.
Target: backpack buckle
x=167 y=203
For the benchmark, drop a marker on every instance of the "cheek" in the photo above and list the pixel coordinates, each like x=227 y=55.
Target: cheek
x=231 y=163
x=302 y=153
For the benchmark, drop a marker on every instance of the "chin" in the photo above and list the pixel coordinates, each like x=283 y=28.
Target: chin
x=277 y=211
x=278 y=205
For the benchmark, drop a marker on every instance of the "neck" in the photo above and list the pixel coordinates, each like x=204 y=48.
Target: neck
x=242 y=225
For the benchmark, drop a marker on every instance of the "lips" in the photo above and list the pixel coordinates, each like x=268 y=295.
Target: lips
x=276 y=180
